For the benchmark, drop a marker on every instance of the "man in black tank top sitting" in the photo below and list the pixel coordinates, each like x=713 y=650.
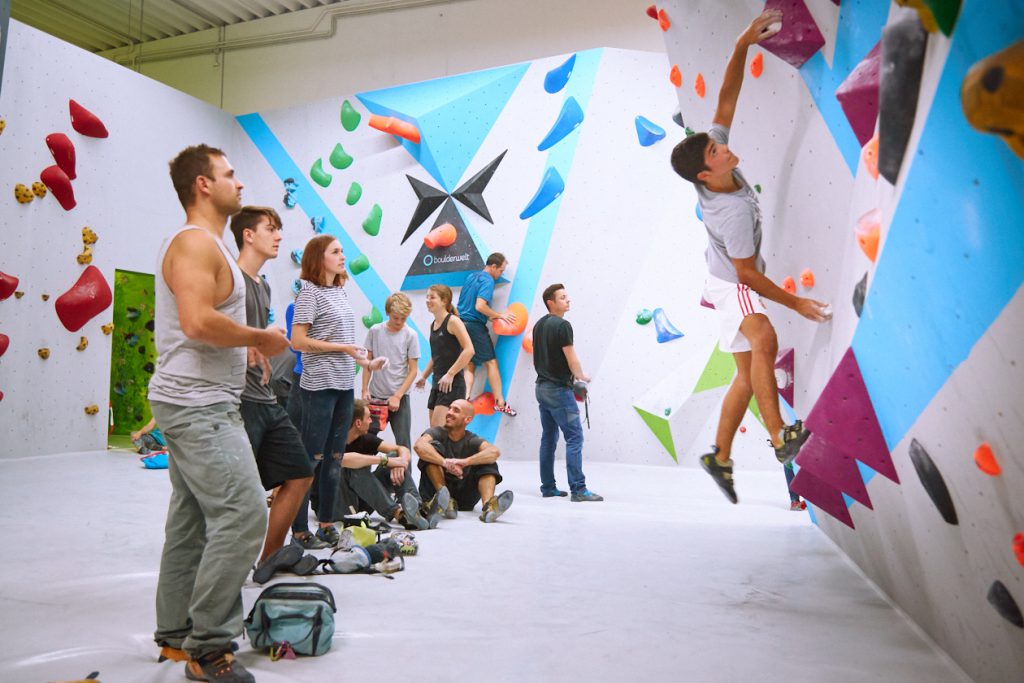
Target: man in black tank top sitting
x=452 y=457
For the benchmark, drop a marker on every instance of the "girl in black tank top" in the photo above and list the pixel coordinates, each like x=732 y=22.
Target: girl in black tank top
x=444 y=347
x=450 y=353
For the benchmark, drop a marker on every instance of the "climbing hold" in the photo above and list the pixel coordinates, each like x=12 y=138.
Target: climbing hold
x=340 y=159
x=506 y=329
x=999 y=597
x=986 y=461
x=374 y=317
x=289 y=200
x=3 y=124
x=667 y=411
x=63 y=152
x=85 y=258
x=807 y=278
x=290 y=185
x=85 y=122
x=88 y=236
x=647 y=132
x=8 y=283
x=945 y=13
x=23 y=194
x=359 y=264
x=758 y=188
x=931 y=479
x=666 y=330
x=38 y=189
x=743 y=430
x=652 y=11
x=870 y=156
x=317 y=222
x=89 y=296
x=107 y=328
x=551 y=187
x=319 y=175
x=789 y=284
x=858 y=95
x=92 y=409
x=18 y=295
x=371 y=226
x=869 y=228
x=677 y=118
x=1018 y=548
x=705 y=303
x=5 y=341
x=644 y=316
x=924 y=14
x=698 y=86
x=60 y=185
x=398 y=127
x=270 y=316
x=675 y=76
x=527 y=343
x=569 y=119
x=82 y=343
x=700 y=214
x=296 y=286
x=355 y=191
x=991 y=96
x=44 y=353
x=442 y=236
x=663 y=21
x=799 y=37
x=757 y=65
x=903 y=46
x=45 y=297
x=349 y=116
x=484 y=404
x=297 y=257
x=859 y=292
x=556 y=79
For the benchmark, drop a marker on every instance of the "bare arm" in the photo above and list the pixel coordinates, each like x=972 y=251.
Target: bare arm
x=485 y=309
x=421 y=382
x=366 y=377
x=487 y=454
x=458 y=328
x=410 y=377
x=733 y=80
x=749 y=275
x=301 y=341
x=574 y=363
x=425 y=449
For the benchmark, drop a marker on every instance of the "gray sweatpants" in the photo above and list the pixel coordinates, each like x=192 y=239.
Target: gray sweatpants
x=216 y=521
x=375 y=489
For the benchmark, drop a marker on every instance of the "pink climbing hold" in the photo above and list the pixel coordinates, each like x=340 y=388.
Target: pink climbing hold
x=858 y=95
x=86 y=299
x=8 y=283
x=799 y=38
x=63 y=152
x=789 y=284
x=85 y=122
x=60 y=185
x=652 y=11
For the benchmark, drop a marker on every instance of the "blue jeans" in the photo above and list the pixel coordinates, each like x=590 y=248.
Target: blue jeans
x=326 y=417
x=559 y=410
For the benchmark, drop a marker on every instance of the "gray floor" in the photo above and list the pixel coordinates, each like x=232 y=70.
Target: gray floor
x=663 y=581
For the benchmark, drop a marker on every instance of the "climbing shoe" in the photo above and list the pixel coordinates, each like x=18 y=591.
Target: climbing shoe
x=793 y=437
x=720 y=472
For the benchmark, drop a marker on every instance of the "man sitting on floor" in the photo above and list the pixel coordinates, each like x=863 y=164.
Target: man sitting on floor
x=452 y=457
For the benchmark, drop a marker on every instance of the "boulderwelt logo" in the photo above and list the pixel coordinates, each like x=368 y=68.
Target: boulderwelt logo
x=429 y=259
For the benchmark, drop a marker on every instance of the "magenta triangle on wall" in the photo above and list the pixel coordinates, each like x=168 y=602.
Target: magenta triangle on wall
x=822 y=495
x=835 y=468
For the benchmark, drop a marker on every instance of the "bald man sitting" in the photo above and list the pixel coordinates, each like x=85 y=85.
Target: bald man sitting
x=466 y=464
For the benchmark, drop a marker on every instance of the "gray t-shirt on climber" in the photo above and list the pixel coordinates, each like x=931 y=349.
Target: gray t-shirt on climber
x=257 y=308
x=732 y=220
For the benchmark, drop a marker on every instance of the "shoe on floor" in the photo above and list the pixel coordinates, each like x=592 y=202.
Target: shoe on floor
x=496 y=506
x=586 y=496
x=220 y=666
x=720 y=472
x=411 y=511
x=557 y=493
x=329 y=535
x=309 y=542
x=305 y=566
x=507 y=409
x=797 y=506
x=280 y=559
x=793 y=437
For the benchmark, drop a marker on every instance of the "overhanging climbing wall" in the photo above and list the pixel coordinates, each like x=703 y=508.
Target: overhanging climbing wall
x=871 y=142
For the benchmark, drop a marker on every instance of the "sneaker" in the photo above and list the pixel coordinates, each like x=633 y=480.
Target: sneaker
x=329 y=535
x=282 y=558
x=586 y=496
x=793 y=437
x=172 y=653
x=797 y=506
x=389 y=566
x=496 y=507
x=720 y=472
x=507 y=409
x=557 y=493
x=411 y=512
x=441 y=505
x=220 y=666
x=309 y=542
x=407 y=543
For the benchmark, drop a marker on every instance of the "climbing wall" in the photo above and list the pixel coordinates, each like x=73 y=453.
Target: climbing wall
x=870 y=138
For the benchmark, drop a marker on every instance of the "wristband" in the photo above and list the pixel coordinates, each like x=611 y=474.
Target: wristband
x=383 y=461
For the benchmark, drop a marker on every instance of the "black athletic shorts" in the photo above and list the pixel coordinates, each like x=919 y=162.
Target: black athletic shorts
x=280 y=455
x=464 y=491
x=446 y=398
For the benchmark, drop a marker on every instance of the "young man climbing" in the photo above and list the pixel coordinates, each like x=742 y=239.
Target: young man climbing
x=732 y=218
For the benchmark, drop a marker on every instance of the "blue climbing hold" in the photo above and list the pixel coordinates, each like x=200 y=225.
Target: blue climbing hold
x=270 y=315
x=318 y=224
x=297 y=256
x=556 y=79
x=666 y=330
x=551 y=187
x=700 y=214
x=296 y=286
x=648 y=132
x=569 y=119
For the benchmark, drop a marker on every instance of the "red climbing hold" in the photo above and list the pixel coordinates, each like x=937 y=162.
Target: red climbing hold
x=85 y=122
x=757 y=65
x=743 y=429
x=799 y=37
x=986 y=461
x=8 y=283
x=86 y=299
x=675 y=76
x=63 y=152
x=60 y=185
x=528 y=342
x=484 y=404
x=5 y=341
x=789 y=284
x=1018 y=548
x=652 y=11
x=663 y=21
x=807 y=278
x=698 y=86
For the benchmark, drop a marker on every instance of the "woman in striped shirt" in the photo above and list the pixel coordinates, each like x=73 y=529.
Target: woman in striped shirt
x=323 y=329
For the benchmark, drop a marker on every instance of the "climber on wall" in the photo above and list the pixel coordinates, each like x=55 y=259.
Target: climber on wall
x=732 y=218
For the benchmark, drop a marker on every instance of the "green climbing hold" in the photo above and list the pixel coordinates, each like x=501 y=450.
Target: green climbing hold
x=372 y=223
x=668 y=411
x=375 y=317
x=945 y=13
x=339 y=159
x=644 y=316
x=689 y=131
x=355 y=191
x=349 y=116
x=319 y=175
x=359 y=264
x=758 y=188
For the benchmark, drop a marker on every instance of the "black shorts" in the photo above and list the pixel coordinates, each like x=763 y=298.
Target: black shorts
x=446 y=398
x=465 y=491
x=483 y=348
x=280 y=455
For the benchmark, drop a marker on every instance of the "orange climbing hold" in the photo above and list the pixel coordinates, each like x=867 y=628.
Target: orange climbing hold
x=484 y=404
x=869 y=229
x=757 y=65
x=512 y=329
x=389 y=124
x=441 y=236
x=528 y=342
x=986 y=461
x=663 y=21
x=675 y=76
x=698 y=86
x=870 y=156
x=789 y=284
x=807 y=278
x=652 y=11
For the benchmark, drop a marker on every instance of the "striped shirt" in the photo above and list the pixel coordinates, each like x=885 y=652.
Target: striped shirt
x=327 y=312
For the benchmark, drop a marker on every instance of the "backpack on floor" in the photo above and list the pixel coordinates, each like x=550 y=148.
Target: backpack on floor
x=300 y=614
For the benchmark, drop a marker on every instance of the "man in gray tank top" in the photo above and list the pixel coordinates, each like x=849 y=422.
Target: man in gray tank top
x=217 y=516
